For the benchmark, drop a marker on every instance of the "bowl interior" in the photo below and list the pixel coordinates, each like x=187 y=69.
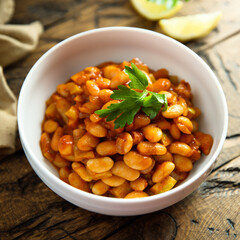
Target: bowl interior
x=118 y=44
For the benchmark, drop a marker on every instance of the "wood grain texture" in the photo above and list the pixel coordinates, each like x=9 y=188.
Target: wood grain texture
x=225 y=62
x=30 y=210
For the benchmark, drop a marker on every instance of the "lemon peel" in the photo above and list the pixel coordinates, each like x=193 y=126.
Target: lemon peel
x=153 y=11
x=186 y=28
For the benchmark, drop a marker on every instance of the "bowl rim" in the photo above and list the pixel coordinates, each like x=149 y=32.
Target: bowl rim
x=105 y=199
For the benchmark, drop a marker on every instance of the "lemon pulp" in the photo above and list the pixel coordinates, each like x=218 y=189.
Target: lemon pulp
x=190 y=27
x=153 y=11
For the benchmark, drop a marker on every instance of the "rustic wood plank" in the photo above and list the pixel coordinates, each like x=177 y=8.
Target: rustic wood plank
x=46 y=11
x=230 y=151
x=159 y=225
x=209 y=212
x=225 y=62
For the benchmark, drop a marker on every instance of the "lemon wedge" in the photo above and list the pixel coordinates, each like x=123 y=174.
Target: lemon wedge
x=190 y=27
x=153 y=11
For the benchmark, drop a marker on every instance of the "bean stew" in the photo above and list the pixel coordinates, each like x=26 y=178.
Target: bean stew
x=146 y=157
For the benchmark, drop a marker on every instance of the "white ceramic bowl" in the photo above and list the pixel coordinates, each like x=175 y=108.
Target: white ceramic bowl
x=117 y=44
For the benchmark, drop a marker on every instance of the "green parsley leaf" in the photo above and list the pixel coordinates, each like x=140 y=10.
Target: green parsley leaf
x=153 y=103
x=132 y=101
x=127 y=116
x=169 y=3
x=138 y=78
x=125 y=92
x=127 y=109
x=161 y=98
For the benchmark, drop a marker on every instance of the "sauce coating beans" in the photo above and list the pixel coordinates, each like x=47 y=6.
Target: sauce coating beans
x=106 y=148
x=137 y=161
x=124 y=143
x=100 y=165
x=152 y=133
x=146 y=157
x=122 y=170
x=148 y=148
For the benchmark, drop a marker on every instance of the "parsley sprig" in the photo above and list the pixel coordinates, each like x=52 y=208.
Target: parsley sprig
x=169 y=3
x=132 y=101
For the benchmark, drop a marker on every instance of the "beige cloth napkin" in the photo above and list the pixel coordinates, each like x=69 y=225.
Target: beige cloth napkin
x=16 y=41
x=8 y=118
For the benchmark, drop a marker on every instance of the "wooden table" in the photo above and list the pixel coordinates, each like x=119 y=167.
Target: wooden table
x=30 y=210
